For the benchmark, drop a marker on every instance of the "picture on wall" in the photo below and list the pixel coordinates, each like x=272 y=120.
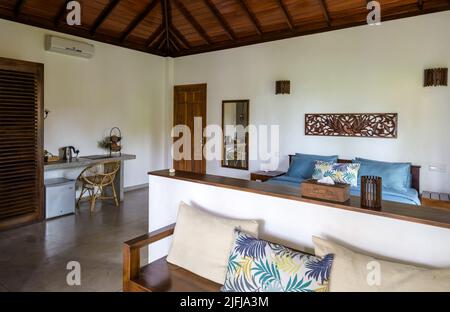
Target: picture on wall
x=379 y=125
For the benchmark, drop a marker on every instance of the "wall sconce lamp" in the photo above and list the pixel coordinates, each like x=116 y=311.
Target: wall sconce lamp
x=283 y=87
x=435 y=77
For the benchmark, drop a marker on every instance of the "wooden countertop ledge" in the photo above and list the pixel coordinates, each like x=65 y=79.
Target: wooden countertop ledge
x=418 y=214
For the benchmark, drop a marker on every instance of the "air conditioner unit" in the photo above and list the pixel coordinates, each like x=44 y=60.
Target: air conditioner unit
x=67 y=46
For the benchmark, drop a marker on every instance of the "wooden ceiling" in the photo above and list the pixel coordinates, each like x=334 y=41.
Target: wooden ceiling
x=181 y=27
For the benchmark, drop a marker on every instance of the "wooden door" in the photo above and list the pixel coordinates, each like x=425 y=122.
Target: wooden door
x=190 y=102
x=21 y=143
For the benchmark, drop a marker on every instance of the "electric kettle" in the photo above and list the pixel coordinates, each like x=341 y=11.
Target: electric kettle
x=66 y=153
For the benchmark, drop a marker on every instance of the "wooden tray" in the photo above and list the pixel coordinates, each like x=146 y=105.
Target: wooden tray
x=339 y=193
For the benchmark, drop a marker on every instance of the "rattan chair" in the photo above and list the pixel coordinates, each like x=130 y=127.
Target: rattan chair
x=95 y=178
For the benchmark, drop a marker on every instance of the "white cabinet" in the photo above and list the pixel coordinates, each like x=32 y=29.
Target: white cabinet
x=59 y=197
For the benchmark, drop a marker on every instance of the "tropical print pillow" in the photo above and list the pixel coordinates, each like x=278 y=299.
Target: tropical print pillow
x=256 y=265
x=340 y=173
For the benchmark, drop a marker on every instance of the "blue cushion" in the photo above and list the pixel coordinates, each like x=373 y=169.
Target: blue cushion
x=410 y=196
x=302 y=165
x=396 y=176
x=256 y=265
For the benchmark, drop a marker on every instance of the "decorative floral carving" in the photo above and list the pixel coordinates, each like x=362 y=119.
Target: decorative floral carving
x=352 y=125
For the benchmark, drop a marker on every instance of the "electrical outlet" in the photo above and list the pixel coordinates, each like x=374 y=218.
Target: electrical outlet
x=442 y=168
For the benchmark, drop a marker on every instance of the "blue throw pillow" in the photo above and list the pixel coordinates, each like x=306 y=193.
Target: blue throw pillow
x=302 y=165
x=394 y=175
x=256 y=265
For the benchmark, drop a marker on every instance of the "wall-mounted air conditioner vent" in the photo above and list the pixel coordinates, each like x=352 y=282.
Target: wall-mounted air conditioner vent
x=67 y=46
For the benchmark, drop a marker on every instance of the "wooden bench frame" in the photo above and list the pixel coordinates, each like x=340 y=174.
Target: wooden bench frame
x=132 y=256
x=159 y=275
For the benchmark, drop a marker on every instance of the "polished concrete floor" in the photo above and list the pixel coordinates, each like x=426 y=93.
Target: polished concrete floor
x=34 y=257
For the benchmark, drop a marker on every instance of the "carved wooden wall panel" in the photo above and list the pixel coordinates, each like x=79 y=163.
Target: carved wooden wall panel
x=352 y=125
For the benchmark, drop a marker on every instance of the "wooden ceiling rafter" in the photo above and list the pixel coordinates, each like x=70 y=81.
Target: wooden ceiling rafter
x=326 y=14
x=188 y=16
x=138 y=20
x=18 y=7
x=165 y=11
x=61 y=12
x=103 y=16
x=277 y=35
x=155 y=36
x=180 y=37
x=214 y=25
x=173 y=44
x=158 y=41
x=251 y=16
x=162 y=43
x=286 y=14
x=420 y=4
x=177 y=42
x=219 y=17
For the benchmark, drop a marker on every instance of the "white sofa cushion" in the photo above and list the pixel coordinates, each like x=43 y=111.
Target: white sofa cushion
x=202 y=241
x=352 y=271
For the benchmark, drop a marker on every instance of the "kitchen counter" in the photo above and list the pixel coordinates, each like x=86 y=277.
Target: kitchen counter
x=71 y=169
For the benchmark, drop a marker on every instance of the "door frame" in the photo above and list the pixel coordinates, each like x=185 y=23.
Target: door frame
x=187 y=87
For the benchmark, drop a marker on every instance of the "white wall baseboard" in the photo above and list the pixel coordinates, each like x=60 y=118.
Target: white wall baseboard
x=135 y=187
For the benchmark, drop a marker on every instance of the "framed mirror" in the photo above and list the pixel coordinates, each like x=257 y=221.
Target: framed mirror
x=235 y=137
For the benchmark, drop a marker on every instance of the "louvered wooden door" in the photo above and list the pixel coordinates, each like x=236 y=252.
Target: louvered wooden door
x=21 y=143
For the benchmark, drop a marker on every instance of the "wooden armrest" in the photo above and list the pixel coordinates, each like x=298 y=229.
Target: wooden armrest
x=131 y=252
x=150 y=238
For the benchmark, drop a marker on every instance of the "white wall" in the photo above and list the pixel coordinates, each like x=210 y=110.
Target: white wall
x=293 y=223
x=362 y=69
x=118 y=87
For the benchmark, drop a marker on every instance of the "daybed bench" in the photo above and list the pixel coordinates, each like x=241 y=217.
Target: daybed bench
x=407 y=196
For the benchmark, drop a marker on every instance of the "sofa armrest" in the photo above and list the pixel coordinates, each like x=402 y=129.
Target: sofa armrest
x=150 y=238
x=131 y=252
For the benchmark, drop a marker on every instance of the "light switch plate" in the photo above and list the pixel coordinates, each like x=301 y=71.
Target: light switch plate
x=442 y=168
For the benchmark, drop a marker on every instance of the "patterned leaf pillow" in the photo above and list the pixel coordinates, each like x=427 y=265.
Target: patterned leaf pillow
x=256 y=265
x=340 y=173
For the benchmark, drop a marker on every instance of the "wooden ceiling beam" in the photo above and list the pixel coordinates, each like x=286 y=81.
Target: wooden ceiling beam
x=286 y=14
x=103 y=16
x=158 y=40
x=219 y=17
x=165 y=20
x=173 y=44
x=326 y=14
x=155 y=35
x=180 y=37
x=78 y=31
x=18 y=7
x=390 y=14
x=187 y=15
x=161 y=43
x=138 y=19
x=251 y=16
x=177 y=42
x=62 y=10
